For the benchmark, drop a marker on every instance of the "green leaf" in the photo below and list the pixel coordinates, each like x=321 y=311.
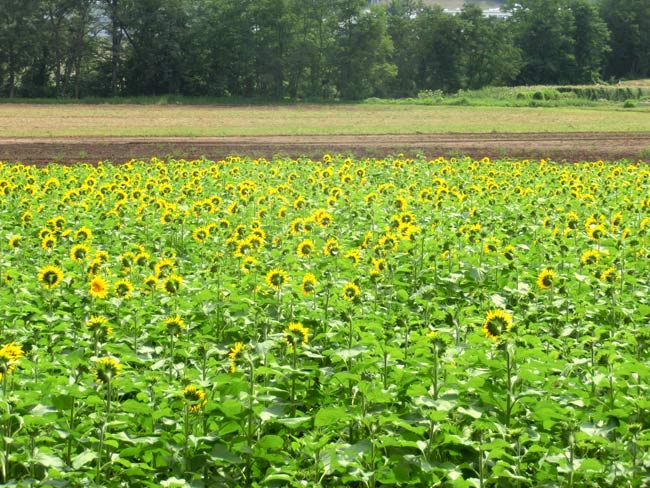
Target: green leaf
x=329 y=416
x=472 y=412
x=133 y=406
x=346 y=354
x=294 y=422
x=498 y=301
x=62 y=402
x=49 y=460
x=83 y=458
x=221 y=452
x=271 y=443
x=590 y=464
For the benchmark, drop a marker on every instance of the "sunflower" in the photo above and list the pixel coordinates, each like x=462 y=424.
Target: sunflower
x=491 y=245
x=609 y=275
x=232 y=356
x=150 y=283
x=174 y=325
x=366 y=240
x=296 y=334
x=354 y=256
x=141 y=259
x=309 y=283
x=98 y=287
x=299 y=203
x=296 y=226
x=163 y=268
x=400 y=203
x=200 y=234
x=276 y=278
x=497 y=322
x=350 y=292
x=645 y=223
x=379 y=265
x=107 y=369
x=596 y=232
x=408 y=231
x=49 y=242
x=50 y=276
x=407 y=217
x=371 y=198
x=123 y=289
x=166 y=217
x=589 y=257
x=94 y=267
x=79 y=253
x=101 y=256
x=172 y=284
x=546 y=278
x=126 y=260
x=323 y=218
x=26 y=218
x=332 y=247
x=99 y=326
x=10 y=354
x=194 y=398
x=256 y=241
x=388 y=242
x=14 y=241
x=243 y=248
x=248 y=264
x=57 y=222
x=305 y=248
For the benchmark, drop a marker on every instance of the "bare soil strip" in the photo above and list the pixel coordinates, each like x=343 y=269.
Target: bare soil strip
x=577 y=146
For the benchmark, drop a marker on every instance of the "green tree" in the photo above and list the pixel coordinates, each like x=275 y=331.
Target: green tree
x=591 y=41
x=489 y=55
x=159 y=48
x=440 y=51
x=308 y=73
x=20 y=42
x=402 y=28
x=361 y=54
x=545 y=32
x=629 y=24
x=223 y=30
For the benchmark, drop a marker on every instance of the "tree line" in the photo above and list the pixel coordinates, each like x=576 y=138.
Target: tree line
x=311 y=49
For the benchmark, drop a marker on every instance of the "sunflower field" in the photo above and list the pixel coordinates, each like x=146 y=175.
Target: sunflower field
x=332 y=322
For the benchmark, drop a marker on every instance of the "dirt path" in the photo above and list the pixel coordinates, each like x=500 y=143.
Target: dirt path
x=576 y=146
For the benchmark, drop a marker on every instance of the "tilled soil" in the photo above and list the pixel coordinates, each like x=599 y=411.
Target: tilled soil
x=576 y=146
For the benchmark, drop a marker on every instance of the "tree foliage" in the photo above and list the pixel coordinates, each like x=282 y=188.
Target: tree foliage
x=310 y=49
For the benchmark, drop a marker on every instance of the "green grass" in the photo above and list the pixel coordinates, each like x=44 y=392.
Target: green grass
x=20 y=120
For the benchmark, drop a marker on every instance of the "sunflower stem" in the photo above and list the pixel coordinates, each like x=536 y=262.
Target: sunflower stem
x=509 y=385
x=102 y=430
x=186 y=430
x=435 y=371
x=171 y=357
x=5 y=429
x=251 y=391
x=72 y=427
x=293 y=379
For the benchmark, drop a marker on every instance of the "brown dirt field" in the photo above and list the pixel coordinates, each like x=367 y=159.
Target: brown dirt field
x=577 y=146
